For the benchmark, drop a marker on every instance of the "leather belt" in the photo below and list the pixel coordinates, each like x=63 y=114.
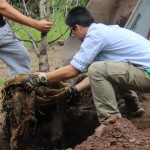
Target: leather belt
x=2 y=23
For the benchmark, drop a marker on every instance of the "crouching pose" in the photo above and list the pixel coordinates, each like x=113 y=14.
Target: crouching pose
x=113 y=57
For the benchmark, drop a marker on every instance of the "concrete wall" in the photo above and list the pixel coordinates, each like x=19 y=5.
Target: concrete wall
x=104 y=11
x=140 y=21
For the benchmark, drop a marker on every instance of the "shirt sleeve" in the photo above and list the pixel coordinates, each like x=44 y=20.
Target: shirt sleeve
x=90 y=48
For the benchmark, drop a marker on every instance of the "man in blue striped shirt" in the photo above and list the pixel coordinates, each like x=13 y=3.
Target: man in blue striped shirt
x=113 y=57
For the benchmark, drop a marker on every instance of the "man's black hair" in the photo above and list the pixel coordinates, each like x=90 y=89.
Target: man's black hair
x=79 y=15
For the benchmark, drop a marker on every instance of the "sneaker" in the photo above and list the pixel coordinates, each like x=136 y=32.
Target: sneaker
x=128 y=111
x=138 y=113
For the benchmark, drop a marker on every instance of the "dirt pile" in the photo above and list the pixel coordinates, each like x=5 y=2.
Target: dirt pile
x=118 y=135
x=32 y=116
x=60 y=126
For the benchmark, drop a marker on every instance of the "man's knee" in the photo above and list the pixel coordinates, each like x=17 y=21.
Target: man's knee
x=96 y=67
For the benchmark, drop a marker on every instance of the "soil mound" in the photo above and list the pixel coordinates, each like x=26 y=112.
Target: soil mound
x=120 y=134
x=60 y=126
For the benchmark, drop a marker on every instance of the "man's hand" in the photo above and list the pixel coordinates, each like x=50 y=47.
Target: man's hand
x=73 y=97
x=31 y=83
x=43 y=26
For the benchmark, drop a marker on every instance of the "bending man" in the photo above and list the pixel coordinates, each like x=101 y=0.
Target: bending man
x=113 y=56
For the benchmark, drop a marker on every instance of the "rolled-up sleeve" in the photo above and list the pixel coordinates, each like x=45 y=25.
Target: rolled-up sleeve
x=90 y=48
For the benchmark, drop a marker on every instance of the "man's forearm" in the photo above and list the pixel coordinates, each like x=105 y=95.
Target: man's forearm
x=62 y=73
x=13 y=14
x=83 y=85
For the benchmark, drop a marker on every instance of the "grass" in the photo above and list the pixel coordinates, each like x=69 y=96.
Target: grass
x=58 y=12
x=2 y=82
x=57 y=30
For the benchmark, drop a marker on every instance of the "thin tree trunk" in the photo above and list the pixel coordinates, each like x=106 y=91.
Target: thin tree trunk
x=43 y=57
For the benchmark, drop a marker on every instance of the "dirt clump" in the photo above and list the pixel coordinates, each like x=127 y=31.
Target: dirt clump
x=118 y=135
x=59 y=126
x=32 y=116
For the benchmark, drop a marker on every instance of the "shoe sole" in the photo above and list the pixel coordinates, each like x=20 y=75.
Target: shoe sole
x=138 y=113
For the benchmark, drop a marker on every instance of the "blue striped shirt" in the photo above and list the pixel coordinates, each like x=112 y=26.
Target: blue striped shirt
x=103 y=43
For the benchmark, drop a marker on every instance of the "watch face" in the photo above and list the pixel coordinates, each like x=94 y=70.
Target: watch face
x=43 y=79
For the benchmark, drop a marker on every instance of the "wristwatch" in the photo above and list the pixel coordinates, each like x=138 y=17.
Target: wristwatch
x=42 y=77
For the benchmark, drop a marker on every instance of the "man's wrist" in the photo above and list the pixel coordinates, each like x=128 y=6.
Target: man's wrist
x=42 y=78
x=74 y=90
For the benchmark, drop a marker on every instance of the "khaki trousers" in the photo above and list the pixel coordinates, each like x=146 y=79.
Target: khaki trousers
x=105 y=75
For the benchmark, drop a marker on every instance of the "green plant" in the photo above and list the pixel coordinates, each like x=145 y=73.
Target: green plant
x=2 y=82
x=58 y=12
